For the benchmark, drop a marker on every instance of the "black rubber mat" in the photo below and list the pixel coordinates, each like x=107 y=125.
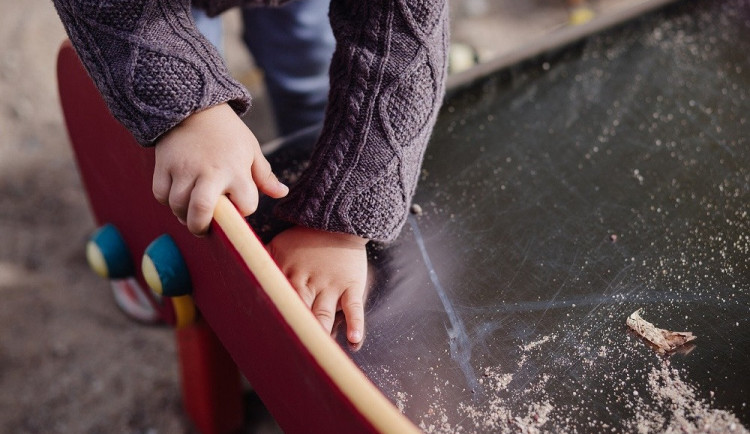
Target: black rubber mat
x=557 y=198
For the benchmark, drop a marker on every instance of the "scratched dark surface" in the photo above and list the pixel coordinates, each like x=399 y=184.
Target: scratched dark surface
x=557 y=198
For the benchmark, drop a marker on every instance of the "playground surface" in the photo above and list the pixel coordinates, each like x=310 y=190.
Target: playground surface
x=71 y=362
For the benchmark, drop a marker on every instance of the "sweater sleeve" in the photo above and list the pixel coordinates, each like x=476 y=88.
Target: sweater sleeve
x=149 y=62
x=387 y=83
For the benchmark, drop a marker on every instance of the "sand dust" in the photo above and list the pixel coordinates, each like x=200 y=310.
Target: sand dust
x=670 y=403
x=676 y=408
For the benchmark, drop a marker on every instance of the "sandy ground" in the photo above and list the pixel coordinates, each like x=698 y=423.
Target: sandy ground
x=69 y=360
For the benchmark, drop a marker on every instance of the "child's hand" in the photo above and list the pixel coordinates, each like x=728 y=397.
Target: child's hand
x=329 y=271
x=211 y=153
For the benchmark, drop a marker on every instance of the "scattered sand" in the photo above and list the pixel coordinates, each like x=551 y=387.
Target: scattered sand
x=677 y=409
x=532 y=345
x=669 y=404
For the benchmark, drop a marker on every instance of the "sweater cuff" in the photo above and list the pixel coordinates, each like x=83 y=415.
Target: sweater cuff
x=149 y=62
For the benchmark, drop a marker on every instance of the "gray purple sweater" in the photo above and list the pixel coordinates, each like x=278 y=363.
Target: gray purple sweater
x=387 y=81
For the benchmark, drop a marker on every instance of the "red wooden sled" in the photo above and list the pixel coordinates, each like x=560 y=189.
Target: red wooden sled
x=303 y=377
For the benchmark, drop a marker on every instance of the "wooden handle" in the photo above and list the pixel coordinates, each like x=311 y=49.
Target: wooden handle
x=372 y=404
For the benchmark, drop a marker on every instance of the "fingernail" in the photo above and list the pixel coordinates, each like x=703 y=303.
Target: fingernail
x=355 y=336
x=283 y=187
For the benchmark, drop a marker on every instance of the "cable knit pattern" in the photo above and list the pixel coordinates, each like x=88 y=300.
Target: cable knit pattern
x=166 y=69
x=149 y=62
x=387 y=82
x=410 y=106
x=377 y=204
x=113 y=15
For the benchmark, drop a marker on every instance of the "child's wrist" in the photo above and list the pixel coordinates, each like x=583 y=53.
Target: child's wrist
x=340 y=237
x=348 y=238
x=355 y=238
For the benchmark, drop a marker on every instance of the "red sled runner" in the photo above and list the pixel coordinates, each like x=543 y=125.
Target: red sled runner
x=232 y=306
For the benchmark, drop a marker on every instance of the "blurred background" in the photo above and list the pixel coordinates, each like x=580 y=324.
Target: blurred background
x=69 y=360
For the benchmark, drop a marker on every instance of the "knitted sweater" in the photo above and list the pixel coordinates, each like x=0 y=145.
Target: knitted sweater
x=154 y=69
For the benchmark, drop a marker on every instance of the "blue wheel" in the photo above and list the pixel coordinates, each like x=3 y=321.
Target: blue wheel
x=108 y=254
x=164 y=268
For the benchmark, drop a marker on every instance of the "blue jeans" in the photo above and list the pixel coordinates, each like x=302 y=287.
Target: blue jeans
x=209 y=27
x=293 y=44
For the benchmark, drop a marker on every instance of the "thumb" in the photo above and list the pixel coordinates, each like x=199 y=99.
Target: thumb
x=265 y=179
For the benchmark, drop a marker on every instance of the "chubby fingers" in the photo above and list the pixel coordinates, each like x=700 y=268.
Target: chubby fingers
x=244 y=195
x=301 y=285
x=352 y=303
x=179 y=198
x=194 y=204
x=324 y=305
x=324 y=309
x=265 y=179
x=200 y=209
x=162 y=183
x=205 y=195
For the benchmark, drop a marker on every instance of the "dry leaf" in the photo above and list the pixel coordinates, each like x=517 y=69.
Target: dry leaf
x=665 y=341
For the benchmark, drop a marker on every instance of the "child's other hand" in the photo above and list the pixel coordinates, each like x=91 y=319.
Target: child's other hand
x=211 y=153
x=329 y=271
